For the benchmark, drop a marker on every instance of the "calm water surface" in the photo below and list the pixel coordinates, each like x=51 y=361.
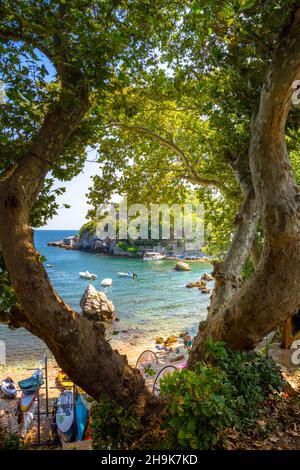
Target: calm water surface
x=157 y=303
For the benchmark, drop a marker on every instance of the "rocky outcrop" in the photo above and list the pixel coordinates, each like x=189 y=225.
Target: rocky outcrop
x=205 y=290
x=198 y=283
x=68 y=243
x=88 y=241
x=206 y=277
x=181 y=266
x=96 y=306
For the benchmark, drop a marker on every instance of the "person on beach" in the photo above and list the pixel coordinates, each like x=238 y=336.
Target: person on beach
x=187 y=341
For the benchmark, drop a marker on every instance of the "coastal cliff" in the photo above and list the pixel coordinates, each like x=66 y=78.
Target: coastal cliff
x=87 y=240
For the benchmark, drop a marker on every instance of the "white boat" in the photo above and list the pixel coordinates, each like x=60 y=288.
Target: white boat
x=87 y=275
x=153 y=256
x=65 y=416
x=8 y=388
x=128 y=274
x=107 y=282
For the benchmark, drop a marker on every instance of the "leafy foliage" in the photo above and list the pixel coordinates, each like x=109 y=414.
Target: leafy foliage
x=88 y=227
x=9 y=440
x=200 y=407
x=123 y=245
x=7 y=295
x=114 y=427
x=224 y=391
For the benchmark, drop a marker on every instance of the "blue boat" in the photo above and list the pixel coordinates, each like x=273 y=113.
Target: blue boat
x=30 y=385
x=82 y=415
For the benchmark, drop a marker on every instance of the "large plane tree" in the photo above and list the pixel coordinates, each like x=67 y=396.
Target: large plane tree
x=60 y=61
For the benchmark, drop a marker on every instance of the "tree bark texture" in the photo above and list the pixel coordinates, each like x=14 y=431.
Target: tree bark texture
x=272 y=295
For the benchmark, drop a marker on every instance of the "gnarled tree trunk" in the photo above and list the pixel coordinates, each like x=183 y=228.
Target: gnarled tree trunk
x=228 y=273
x=78 y=344
x=272 y=294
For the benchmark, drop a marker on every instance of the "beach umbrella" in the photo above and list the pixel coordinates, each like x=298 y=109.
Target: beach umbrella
x=164 y=371
x=147 y=363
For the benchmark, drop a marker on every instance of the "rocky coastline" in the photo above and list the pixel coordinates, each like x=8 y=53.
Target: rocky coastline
x=88 y=241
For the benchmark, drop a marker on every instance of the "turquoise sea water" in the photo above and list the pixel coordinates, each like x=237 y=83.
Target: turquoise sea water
x=157 y=303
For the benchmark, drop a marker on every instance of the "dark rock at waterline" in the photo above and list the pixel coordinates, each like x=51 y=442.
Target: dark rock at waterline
x=206 y=277
x=198 y=283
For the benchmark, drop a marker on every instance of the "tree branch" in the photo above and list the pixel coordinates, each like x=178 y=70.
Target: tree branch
x=22 y=36
x=15 y=318
x=192 y=175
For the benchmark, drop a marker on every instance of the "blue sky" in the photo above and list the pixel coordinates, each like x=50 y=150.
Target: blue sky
x=73 y=218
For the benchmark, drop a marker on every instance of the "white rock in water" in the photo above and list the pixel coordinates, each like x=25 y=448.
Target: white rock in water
x=181 y=266
x=96 y=306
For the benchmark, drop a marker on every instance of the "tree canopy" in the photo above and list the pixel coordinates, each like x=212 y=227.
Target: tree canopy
x=171 y=94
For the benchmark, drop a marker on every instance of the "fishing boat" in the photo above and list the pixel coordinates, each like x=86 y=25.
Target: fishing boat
x=128 y=274
x=153 y=256
x=87 y=275
x=107 y=282
x=8 y=388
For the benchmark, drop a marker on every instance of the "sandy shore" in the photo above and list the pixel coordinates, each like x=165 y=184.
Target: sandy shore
x=23 y=370
x=19 y=372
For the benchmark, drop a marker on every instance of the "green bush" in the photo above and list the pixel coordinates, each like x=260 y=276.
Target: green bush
x=88 y=227
x=200 y=407
x=9 y=440
x=254 y=376
x=113 y=427
x=123 y=246
x=223 y=391
x=132 y=249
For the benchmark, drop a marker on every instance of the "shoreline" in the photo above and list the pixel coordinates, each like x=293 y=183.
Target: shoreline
x=23 y=370
x=92 y=244
x=129 y=256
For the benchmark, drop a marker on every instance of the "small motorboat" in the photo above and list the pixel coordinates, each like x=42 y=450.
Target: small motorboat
x=8 y=388
x=128 y=274
x=107 y=282
x=153 y=256
x=87 y=275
